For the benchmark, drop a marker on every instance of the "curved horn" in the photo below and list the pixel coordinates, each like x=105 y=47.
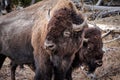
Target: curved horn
x=83 y=37
x=85 y=40
x=81 y=26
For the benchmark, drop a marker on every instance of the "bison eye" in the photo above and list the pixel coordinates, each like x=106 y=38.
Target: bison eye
x=66 y=33
x=89 y=48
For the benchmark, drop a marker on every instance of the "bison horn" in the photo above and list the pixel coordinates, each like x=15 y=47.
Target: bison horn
x=81 y=26
x=48 y=15
x=85 y=40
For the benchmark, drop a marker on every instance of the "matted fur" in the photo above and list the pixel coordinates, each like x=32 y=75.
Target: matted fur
x=62 y=16
x=90 y=53
x=15 y=40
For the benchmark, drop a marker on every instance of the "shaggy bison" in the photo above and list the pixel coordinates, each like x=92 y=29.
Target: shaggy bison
x=48 y=40
x=90 y=54
x=51 y=44
x=55 y=41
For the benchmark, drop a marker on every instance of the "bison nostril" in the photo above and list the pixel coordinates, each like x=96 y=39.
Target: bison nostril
x=49 y=45
x=99 y=63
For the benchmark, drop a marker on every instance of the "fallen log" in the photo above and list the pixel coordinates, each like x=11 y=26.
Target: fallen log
x=118 y=38
x=103 y=14
x=105 y=28
x=101 y=8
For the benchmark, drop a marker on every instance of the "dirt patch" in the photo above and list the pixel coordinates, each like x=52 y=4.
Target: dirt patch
x=21 y=74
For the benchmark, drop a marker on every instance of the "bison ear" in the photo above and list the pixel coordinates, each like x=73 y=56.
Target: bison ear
x=85 y=40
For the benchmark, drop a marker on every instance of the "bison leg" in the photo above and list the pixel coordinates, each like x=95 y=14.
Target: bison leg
x=13 y=69
x=42 y=75
x=43 y=69
x=59 y=75
x=69 y=74
x=2 y=59
x=75 y=64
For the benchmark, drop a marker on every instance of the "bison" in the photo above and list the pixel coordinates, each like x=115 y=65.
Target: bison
x=55 y=40
x=50 y=44
x=15 y=38
x=90 y=53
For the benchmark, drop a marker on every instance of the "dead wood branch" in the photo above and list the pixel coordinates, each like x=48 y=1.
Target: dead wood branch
x=106 y=28
x=107 y=50
x=106 y=34
x=101 y=8
x=118 y=38
x=104 y=14
x=113 y=28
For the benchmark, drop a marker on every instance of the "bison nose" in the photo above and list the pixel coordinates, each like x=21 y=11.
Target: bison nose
x=99 y=62
x=49 y=45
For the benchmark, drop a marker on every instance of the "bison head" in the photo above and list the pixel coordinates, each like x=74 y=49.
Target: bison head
x=63 y=23
x=91 y=52
x=60 y=40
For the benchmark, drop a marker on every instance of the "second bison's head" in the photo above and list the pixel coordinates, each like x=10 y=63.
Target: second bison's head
x=91 y=52
x=60 y=38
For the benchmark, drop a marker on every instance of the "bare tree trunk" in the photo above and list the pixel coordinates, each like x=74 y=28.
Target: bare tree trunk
x=104 y=14
x=102 y=8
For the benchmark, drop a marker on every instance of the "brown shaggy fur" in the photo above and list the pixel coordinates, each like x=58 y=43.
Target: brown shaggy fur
x=95 y=42
x=16 y=40
x=90 y=52
x=62 y=16
x=94 y=52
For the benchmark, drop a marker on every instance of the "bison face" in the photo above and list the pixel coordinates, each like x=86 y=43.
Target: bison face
x=62 y=50
x=91 y=52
